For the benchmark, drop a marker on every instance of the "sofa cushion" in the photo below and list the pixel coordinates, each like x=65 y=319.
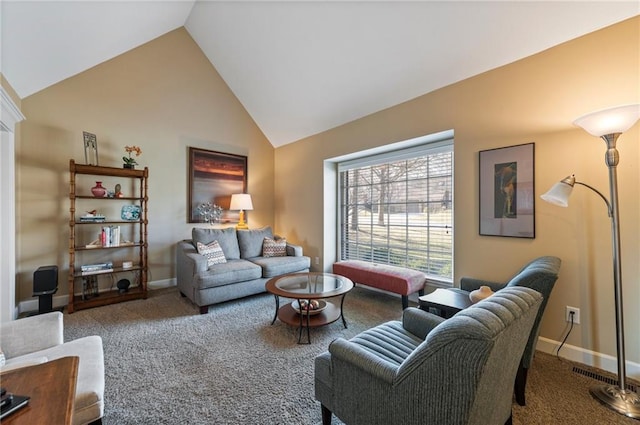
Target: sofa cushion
x=274 y=247
x=276 y=266
x=226 y=238
x=250 y=241
x=233 y=271
x=213 y=253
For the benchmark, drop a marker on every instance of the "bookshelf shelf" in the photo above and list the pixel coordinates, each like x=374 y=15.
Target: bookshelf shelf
x=80 y=249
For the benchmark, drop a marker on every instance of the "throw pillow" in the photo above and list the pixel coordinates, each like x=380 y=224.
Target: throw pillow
x=226 y=238
x=213 y=252
x=274 y=248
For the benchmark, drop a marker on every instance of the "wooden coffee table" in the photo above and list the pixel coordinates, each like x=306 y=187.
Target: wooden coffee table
x=446 y=301
x=307 y=287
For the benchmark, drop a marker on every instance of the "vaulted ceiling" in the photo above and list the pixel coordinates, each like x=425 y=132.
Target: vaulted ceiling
x=300 y=67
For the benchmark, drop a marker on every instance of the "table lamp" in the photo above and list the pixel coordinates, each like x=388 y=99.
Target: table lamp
x=242 y=202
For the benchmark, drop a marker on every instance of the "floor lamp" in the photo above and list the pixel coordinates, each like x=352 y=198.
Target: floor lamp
x=608 y=124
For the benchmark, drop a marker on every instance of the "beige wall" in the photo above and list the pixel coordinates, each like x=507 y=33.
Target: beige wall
x=162 y=96
x=532 y=100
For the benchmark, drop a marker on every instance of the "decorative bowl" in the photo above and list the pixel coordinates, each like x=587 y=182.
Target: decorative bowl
x=322 y=306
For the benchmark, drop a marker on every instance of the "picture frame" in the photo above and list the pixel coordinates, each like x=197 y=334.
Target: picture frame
x=213 y=178
x=90 y=148
x=507 y=191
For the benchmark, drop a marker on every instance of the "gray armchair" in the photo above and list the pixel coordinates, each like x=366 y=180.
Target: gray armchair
x=540 y=274
x=426 y=369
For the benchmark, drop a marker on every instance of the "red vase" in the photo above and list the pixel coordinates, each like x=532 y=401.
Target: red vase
x=98 y=190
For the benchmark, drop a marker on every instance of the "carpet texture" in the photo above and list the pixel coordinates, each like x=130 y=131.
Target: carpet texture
x=167 y=364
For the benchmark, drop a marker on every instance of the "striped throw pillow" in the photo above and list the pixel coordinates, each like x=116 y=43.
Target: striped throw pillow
x=274 y=247
x=213 y=252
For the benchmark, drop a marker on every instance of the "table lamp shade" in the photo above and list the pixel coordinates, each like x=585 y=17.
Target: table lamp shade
x=241 y=201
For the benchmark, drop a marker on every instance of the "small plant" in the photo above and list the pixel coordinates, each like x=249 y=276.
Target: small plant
x=131 y=149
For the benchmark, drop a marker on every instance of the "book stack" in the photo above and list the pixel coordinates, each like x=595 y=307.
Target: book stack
x=92 y=218
x=110 y=236
x=96 y=268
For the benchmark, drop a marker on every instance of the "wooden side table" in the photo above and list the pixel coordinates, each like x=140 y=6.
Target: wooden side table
x=446 y=301
x=52 y=388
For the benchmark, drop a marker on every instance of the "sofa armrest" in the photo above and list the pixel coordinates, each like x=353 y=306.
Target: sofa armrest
x=188 y=264
x=188 y=254
x=420 y=322
x=471 y=284
x=31 y=334
x=294 y=250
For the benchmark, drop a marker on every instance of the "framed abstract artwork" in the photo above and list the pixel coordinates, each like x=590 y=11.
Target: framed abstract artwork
x=213 y=178
x=507 y=192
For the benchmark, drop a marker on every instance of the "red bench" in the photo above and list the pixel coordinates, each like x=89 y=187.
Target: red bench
x=398 y=280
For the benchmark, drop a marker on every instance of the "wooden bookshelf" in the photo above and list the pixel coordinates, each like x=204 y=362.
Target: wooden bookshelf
x=79 y=250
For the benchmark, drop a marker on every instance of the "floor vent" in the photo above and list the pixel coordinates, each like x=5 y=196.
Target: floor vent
x=602 y=378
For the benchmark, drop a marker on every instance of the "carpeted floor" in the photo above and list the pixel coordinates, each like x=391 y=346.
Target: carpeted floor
x=167 y=364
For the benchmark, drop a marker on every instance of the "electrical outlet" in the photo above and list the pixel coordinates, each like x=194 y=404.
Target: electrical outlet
x=576 y=315
x=317 y=260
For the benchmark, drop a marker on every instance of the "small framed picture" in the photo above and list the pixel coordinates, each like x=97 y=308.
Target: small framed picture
x=90 y=148
x=507 y=192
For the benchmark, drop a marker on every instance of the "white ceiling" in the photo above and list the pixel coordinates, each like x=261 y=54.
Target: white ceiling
x=300 y=67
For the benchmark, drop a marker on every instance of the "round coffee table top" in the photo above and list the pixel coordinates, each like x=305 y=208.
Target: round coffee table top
x=309 y=285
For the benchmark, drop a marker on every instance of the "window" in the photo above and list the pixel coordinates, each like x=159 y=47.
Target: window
x=396 y=208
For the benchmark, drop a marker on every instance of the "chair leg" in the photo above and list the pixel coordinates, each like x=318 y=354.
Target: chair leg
x=96 y=422
x=405 y=302
x=326 y=415
x=520 y=385
x=510 y=420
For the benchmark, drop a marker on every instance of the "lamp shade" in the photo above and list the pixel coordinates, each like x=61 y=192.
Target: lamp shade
x=560 y=192
x=609 y=121
x=241 y=201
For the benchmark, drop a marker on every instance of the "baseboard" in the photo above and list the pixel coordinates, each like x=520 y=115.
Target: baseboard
x=588 y=357
x=160 y=284
x=29 y=306
x=61 y=301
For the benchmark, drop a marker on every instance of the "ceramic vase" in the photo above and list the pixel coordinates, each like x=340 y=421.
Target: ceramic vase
x=129 y=166
x=98 y=190
x=480 y=294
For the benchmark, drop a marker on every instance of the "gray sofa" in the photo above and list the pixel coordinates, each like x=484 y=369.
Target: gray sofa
x=39 y=339
x=245 y=271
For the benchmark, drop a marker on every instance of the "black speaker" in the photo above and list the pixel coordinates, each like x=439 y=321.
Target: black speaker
x=45 y=284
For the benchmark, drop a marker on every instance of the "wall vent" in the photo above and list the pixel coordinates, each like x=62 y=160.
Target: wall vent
x=605 y=379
